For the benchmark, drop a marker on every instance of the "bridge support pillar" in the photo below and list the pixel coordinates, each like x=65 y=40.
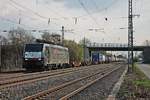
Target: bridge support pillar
x=146 y=55
x=86 y=54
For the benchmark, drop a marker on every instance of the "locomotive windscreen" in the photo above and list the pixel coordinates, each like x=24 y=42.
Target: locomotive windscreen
x=33 y=47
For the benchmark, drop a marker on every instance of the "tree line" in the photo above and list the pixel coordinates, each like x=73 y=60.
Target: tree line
x=12 y=44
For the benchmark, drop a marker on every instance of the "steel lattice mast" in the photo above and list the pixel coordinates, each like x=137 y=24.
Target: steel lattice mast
x=130 y=36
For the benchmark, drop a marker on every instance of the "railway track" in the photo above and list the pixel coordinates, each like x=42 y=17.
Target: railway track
x=70 y=88
x=17 y=78
x=9 y=76
x=24 y=79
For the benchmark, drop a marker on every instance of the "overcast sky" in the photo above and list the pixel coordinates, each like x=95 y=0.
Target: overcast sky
x=79 y=16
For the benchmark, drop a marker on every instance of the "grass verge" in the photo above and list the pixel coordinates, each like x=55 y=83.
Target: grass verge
x=135 y=86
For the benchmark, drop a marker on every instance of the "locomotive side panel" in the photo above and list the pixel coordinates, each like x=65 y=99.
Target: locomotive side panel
x=58 y=55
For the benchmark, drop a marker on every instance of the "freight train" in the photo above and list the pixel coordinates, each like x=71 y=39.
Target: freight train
x=99 y=58
x=45 y=56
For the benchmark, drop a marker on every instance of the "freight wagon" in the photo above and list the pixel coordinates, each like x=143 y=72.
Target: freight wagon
x=102 y=58
x=97 y=58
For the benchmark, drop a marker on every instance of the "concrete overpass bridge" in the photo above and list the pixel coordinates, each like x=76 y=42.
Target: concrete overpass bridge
x=118 y=47
x=113 y=47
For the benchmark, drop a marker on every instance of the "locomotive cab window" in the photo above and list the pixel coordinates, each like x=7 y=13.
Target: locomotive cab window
x=33 y=47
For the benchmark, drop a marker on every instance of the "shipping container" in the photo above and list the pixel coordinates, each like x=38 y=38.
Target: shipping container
x=95 y=58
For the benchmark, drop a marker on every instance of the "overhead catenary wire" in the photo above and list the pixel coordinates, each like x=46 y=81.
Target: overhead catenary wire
x=28 y=9
x=81 y=3
x=95 y=5
x=36 y=13
x=87 y=11
x=56 y=13
x=97 y=11
x=22 y=12
x=32 y=28
x=47 y=18
x=8 y=20
x=100 y=10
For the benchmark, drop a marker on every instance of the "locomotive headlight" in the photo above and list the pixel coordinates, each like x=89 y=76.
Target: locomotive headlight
x=26 y=59
x=39 y=59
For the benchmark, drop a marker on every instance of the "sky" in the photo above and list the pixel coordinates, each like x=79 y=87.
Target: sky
x=84 y=18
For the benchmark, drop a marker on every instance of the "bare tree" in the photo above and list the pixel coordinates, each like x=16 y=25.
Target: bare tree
x=3 y=40
x=54 y=37
x=84 y=41
x=20 y=36
x=11 y=55
x=46 y=36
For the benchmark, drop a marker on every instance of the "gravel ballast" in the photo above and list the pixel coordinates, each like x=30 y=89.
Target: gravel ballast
x=21 y=91
x=101 y=89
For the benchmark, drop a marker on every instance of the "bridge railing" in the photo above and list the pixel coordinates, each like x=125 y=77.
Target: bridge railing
x=106 y=45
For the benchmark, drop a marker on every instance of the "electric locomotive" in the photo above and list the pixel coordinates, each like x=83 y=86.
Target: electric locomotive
x=45 y=56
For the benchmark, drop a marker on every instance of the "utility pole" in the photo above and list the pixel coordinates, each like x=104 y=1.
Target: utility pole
x=0 y=54
x=130 y=37
x=62 y=35
x=84 y=49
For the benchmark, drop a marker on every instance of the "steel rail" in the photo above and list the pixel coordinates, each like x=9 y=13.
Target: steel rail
x=66 y=97
x=30 y=80
x=46 y=92
x=29 y=74
x=15 y=75
x=13 y=79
